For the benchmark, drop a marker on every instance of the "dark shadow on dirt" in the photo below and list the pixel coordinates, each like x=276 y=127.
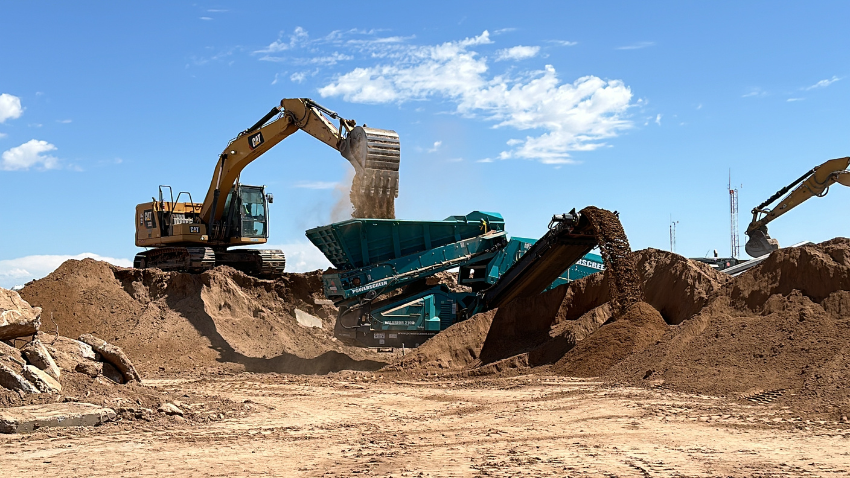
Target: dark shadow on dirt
x=328 y=362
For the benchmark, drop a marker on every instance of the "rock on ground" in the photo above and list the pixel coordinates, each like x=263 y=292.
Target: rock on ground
x=44 y=382
x=113 y=355
x=66 y=352
x=170 y=409
x=32 y=417
x=37 y=354
x=9 y=353
x=17 y=317
x=92 y=369
x=15 y=381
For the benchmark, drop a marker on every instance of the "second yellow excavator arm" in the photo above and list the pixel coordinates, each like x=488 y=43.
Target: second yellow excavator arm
x=815 y=183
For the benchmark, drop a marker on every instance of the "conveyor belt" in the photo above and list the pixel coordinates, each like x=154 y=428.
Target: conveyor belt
x=569 y=238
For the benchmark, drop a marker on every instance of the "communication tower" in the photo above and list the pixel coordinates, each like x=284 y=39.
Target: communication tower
x=673 y=234
x=733 y=212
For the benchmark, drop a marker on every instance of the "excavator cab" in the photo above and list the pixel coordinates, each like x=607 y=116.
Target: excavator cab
x=246 y=212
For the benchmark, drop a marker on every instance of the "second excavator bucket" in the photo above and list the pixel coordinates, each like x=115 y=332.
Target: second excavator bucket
x=375 y=155
x=760 y=243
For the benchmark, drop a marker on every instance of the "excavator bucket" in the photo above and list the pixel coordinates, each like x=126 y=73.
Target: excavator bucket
x=375 y=155
x=760 y=243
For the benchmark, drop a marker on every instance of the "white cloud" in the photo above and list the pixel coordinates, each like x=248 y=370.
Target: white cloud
x=315 y=185
x=822 y=83
x=504 y=30
x=576 y=116
x=564 y=42
x=380 y=40
x=658 y=119
x=65 y=121
x=754 y=92
x=794 y=99
x=519 y=52
x=298 y=37
x=298 y=77
x=485 y=160
x=301 y=256
x=28 y=155
x=10 y=107
x=436 y=146
x=331 y=59
x=637 y=46
x=206 y=18
x=24 y=269
x=2 y=135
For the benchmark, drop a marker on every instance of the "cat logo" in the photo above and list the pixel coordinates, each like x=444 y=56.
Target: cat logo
x=194 y=229
x=255 y=139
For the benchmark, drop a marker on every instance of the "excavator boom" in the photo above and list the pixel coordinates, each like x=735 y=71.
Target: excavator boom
x=814 y=183
x=374 y=153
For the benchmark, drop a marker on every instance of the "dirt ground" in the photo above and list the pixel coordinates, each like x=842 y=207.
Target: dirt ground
x=365 y=424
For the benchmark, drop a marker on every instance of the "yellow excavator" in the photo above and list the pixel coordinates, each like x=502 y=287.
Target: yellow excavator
x=193 y=237
x=815 y=183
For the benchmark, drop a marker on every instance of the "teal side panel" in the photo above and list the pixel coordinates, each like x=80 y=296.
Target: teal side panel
x=358 y=243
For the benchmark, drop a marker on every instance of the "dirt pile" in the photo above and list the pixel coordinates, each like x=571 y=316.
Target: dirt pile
x=779 y=330
x=639 y=326
x=780 y=327
x=458 y=347
x=219 y=320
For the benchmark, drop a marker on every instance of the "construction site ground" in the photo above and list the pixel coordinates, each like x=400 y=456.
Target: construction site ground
x=676 y=370
x=366 y=424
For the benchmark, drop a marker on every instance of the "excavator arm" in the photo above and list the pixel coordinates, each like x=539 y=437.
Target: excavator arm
x=815 y=183
x=374 y=153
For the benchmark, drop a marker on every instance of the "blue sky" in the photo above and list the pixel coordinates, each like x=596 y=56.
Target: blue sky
x=526 y=109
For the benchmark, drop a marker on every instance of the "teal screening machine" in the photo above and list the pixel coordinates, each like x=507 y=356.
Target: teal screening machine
x=384 y=280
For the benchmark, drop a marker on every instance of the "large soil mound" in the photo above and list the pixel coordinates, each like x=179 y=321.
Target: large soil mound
x=781 y=327
x=174 y=322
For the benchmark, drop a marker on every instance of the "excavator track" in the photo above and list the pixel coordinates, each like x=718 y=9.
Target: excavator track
x=183 y=259
x=260 y=263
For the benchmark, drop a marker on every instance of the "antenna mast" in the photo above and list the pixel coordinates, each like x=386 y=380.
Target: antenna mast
x=733 y=213
x=673 y=234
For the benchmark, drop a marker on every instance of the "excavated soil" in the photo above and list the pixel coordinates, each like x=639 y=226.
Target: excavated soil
x=777 y=333
x=779 y=330
x=219 y=320
x=617 y=254
x=366 y=205
x=639 y=326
